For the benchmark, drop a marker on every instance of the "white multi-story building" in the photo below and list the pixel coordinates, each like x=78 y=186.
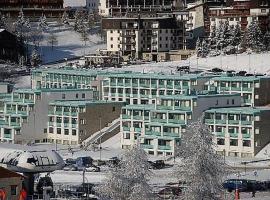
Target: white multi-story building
x=134 y=36
x=91 y=5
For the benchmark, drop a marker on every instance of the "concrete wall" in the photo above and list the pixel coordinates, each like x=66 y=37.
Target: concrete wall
x=98 y=115
x=262 y=92
x=204 y=103
x=38 y=118
x=263 y=137
x=6 y=183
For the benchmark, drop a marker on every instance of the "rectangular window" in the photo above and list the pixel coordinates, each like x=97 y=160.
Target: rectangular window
x=63 y=96
x=74 y=132
x=13 y=190
x=246 y=143
x=82 y=121
x=220 y=141
x=66 y=132
x=83 y=95
x=59 y=131
x=234 y=142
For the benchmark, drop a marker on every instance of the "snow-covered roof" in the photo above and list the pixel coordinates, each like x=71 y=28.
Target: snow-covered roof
x=1 y=30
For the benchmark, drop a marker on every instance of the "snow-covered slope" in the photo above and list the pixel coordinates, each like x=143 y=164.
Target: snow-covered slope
x=259 y=63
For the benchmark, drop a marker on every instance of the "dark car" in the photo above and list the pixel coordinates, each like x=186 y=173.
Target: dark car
x=233 y=184
x=158 y=164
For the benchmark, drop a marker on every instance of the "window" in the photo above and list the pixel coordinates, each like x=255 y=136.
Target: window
x=111 y=38
x=216 y=102
x=228 y=102
x=77 y=96
x=45 y=130
x=113 y=109
x=13 y=190
x=220 y=141
x=63 y=96
x=126 y=135
x=111 y=45
x=234 y=142
x=83 y=95
x=58 y=130
x=82 y=121
x=232 y=101
x=66 y=132
x=50 y=129
x=74 y=132
x=246 y=143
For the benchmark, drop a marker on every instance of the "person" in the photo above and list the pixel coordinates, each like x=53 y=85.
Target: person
x=253 y=192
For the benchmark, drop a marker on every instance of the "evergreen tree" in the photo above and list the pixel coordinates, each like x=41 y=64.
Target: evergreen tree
x=65 y=18
x=198 y=47
x=267 y=40
x=237 y=35
x=201 y=169
x=204 y=49
x=42 y=23
x=79 y=21
x=3 y=21
x=129 y=178
x=35 y=58
x=52 y=40
x=254 y=37
x=22 y=27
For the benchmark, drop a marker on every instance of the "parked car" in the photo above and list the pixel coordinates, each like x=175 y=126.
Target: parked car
x=70 y=167
x=92 y=168
x=158 y=164
x=169 y=192
x=233 y=184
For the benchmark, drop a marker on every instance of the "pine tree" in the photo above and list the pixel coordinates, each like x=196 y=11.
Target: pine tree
x=42 y=23
x=237 y=35
x=35 y=58
x=198 y=47
x=130 y=176
x=3 y=21
x=22 y=27
x=65 y=19
x=254 y=37
x=204 y=49
x=79 y=21
x=267 y=40
x=201 y=169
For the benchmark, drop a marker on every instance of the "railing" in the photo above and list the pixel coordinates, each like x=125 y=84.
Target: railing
x=177 y=121
x=246 y=122
x=147 y=146
x=161 y=147
x=171 y=134
x=153 y=133
x=158 y=120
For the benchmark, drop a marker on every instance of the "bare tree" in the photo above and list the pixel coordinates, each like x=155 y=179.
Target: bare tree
x=52 y=40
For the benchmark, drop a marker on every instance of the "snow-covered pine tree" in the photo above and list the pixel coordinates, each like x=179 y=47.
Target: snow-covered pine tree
x=237 y=35
x=42 y=23
x=200 y=168
x=35 y=58
x=254 y=37
x=79 y=20
x=198 y=47
x=267 y=40
x=65 y=19
x=3 y=21
x=204 y=49
x=131 y=175
x=90 y=20
x=22 y=27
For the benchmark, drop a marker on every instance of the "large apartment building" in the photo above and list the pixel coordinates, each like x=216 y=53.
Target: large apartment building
x=142 y=36
x=122 y=7
x=240 y=132
x=159 y=126
x=33 y=8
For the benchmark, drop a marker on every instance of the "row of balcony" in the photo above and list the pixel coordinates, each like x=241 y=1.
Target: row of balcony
x=160 y=147
x=65 y=125
x=229 y=122
x=232 y=135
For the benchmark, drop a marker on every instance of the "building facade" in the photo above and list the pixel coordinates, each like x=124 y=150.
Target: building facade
x=32 y=8
x=159 y=126
x=240 y=132
x=133 y=36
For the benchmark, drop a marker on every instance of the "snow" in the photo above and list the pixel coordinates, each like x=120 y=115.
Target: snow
x=23 y=82
x=76 y=3
x=251 y=63
x=69 y=44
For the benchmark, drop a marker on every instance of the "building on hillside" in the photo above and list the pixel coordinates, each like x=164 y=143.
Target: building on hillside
x=90 y=5
x=25 y=112
x=252 y=88
x=159 y=126
x=32 y=8
x=72 y=122
x=241 y=12
x=10 y=48
x=138 y=35
x=123 y=7
x=239 y=132
x=143 y=88
x=11 y=184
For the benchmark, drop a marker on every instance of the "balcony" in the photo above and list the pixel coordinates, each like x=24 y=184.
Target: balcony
x=235 y=89
x=209 y=121
x=246 y=122
x=74 y=125
x=58 y=124
x=138 y=117
x=177 y=121
x=234 y=135
x=233 y=122
x=220 y=121
x=247 y=89
x=163 y=107
x=125 y=128
x=126 y=116
x=138 y=130
x=246 y=136
x=147 y=146
x=182 y=108
x=158 y=120
x=220 y=134
x=74 y=114
x=161 y=147
x=152 y=133
x=51 y=123
x=58 y=113
x=7 y=136
x=171 y=134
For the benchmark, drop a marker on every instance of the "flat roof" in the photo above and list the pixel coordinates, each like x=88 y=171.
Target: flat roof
x=197 y=96
x=239 y=110
x=76 y=103
x=240 y=78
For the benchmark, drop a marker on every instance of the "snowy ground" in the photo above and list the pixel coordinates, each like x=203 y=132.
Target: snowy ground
x=69 y=44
